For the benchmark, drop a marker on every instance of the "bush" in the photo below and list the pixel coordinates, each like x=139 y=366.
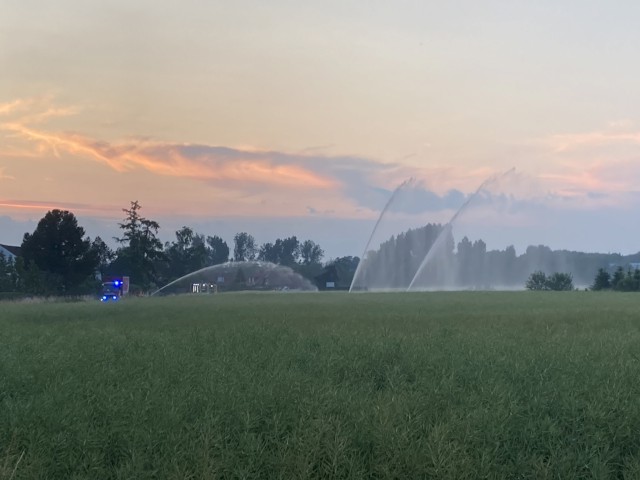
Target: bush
x=557 y=281
x=560 y=282
x=537 y=281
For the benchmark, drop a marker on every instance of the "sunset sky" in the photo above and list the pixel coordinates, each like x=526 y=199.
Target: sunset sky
x=300 y=118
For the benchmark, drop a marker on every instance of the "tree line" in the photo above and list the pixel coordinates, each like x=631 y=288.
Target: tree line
x=620 y=280
x=468 y=264
x=59 y=259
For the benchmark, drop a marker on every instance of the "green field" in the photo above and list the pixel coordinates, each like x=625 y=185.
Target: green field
x=436 y=385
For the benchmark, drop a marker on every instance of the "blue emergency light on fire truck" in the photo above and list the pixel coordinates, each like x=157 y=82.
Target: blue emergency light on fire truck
x=113 y=288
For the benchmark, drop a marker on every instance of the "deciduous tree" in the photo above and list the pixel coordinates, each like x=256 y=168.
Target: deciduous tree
x=245 y=247
x=58 y=248
x=310 y=252
x=537 y=281
x=560 y=282
x=218 y=250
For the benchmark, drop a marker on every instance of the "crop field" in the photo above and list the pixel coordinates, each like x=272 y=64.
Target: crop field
x=326 y=385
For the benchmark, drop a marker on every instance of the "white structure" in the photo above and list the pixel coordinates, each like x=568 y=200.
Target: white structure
x=9 y=252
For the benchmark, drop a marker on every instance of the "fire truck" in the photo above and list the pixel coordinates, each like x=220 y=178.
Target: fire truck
x=114 y=288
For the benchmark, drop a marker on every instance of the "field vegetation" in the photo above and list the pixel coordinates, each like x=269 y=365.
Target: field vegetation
x=248 y=385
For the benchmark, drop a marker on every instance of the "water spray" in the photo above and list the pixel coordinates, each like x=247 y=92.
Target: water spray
x=449 y=226
x=402 y=186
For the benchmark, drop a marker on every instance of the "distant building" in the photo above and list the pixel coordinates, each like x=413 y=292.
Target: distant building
x=9 y=251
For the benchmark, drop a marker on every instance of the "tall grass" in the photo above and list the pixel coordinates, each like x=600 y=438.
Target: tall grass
x=438 y=385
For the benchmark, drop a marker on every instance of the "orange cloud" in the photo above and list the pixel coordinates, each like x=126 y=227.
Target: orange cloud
x=9 y=107
x=210 y=164
x=35 y=109
x=255 y=178
x=45 y=205
x=29 y=206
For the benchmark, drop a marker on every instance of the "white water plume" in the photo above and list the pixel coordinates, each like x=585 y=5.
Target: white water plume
x=234 y=276
x=512 y=225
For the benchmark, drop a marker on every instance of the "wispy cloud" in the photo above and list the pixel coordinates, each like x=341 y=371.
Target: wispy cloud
x=35 y=110
x=6 y=108
x=579 y=178
x=363 y=181
x=201 y=162
x=43 y=205
x=328 y=182
x=599 y=167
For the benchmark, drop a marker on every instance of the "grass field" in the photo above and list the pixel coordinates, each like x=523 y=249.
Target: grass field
x=438 y=385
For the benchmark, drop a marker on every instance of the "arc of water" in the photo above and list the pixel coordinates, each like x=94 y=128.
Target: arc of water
x=449 y=225
x=375 y=228
x=187 y=276
x=265 y=265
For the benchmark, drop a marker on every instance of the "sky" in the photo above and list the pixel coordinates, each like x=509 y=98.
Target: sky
x=301 y=118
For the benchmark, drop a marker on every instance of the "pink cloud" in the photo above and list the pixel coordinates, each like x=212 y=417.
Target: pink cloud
x=246 y=166
x=570 y=142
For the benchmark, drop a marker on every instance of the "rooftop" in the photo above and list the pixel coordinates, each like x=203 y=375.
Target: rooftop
x=12 y=249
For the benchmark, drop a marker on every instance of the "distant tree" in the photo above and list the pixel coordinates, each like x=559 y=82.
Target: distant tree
x=8 y=275
x=198 y=252
x=540 y=257
x=617 y=278
x=465 y=257
x=560 y=282
x=58 y=248
x=510 y=273
x=309 y=264
x=141 y=248
x=478 y=263
x=630 y=282
x=180 y=253
x=184 y=238
x=104 y=253
x=268 y=253
x=537 y=281
x=186 y=254
x=30 y=279
x=245 y=247
x=283 y=251
x=310 y=253
x=218 y=250
x=556 y=281
x=602 y=280
x=289 y=250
